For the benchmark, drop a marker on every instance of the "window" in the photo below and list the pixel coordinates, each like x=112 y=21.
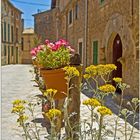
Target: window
x=16 y=34
x=4 y=31
x=76 y=11
x=8 y=32
x=70 y=17
x=95 y=52
x=80 y=50
x=4 y=50
x=12 y=34
x=12 y=50
x=22 y=43
x=12 y=13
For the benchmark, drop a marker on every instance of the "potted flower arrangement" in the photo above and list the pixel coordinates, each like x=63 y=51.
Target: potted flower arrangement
x=53 y=57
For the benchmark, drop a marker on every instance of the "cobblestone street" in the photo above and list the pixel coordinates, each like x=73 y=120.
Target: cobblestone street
x=17 y=84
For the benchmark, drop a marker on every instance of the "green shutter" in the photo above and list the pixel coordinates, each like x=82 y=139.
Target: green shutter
x=101 y=1
x=80 y=50
x=95 y=52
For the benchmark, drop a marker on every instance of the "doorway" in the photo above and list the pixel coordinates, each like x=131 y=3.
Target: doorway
x=117 y=53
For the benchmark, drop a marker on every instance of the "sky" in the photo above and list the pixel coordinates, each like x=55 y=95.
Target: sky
x=30 y=7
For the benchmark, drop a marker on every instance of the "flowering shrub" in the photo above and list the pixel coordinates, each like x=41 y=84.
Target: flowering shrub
x=53 y=55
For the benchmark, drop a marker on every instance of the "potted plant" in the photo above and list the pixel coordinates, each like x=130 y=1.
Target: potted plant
x=53 y=57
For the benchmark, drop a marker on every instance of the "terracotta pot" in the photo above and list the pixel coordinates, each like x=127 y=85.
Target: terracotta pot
x=55 y=79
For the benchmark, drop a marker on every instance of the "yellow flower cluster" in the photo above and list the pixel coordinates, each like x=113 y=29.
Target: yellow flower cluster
x=105 y=69
x=92 y=70
x=18 y=101
x=53 y=113
x=50 y=93
x=18 y=109
x=107 y=88
x=22 y=119
x=92 y=102
x=18 y=106
x=117 y=79
x=71 y=71
x=104 y=111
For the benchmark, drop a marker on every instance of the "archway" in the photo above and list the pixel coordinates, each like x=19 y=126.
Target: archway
x=117 y=54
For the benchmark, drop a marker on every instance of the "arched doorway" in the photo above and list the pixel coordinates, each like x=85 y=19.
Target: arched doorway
x=117 y=53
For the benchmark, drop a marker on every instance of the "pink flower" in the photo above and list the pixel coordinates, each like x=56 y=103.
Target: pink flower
x=55 y=47
x=63 y=42
x=50 y=45
x=35 y=49
x=71 y=49
x=47 y=41
x=40 y=47
x=32 y=52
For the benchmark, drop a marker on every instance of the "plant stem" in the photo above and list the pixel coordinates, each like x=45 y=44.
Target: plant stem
x=37 y=137
x=125 y=128
x=91 y=123
x=100 y=127
x=116 y=122
x=131 y=134
x=27 y=135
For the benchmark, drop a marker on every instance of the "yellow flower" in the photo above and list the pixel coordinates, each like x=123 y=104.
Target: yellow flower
x=71 y=71
x=92 y=102
x=117 y=79
x=87 y=76
x=22 y=119
x=50 y=93
x=107 y=88
x=101 y=69
x=18 y=101
x=110 y=67
x=105 y=69
x=104 y=111
x=18 y=109
x=53 y=113
x=90 y=71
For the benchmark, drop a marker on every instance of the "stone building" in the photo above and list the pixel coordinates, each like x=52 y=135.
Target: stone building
x=113 y=37
x=45 y=24
x=28 y=37
x=11 y=29
x=101 y=31
x=72 y=24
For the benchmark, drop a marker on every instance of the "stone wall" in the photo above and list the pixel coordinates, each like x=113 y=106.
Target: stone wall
x=105 y=21
x=45 y=25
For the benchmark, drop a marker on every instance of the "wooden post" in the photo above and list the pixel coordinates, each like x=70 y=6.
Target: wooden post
x=74 y=106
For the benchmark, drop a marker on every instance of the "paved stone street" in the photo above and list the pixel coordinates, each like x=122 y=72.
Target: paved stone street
x=17 y=84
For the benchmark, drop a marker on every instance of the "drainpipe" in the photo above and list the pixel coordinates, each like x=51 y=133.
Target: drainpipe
x=86 y=21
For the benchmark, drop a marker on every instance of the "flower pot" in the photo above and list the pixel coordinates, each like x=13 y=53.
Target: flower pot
x=55 y=79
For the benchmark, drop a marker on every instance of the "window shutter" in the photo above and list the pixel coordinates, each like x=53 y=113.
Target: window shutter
x=95 y=52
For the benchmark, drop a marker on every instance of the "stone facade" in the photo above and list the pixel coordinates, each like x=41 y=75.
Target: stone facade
x=28 y=37
x=11 y=29
x=72 y=24
x=106 y=20
x=101 y=31
x=45 y=25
